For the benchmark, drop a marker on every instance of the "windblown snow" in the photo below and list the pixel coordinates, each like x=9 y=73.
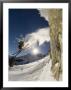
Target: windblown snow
x=41 y=35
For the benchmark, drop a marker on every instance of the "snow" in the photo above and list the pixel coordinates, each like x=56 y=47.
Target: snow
x=38 y=70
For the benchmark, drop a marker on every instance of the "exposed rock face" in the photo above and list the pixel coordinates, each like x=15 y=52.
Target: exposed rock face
x=55 y=22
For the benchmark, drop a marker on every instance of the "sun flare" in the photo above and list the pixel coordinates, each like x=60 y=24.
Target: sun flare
x=35 y=51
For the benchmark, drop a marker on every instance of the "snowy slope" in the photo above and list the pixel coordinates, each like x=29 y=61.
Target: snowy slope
x=39 y=70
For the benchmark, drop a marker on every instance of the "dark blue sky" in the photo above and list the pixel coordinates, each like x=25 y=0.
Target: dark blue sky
x=23 y=21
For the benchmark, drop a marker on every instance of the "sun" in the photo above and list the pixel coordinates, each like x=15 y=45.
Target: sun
x=35 y=51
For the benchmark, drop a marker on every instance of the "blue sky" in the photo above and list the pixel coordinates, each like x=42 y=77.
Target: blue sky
x=23 y=22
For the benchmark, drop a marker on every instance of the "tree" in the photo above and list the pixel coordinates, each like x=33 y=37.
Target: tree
x=55 y=22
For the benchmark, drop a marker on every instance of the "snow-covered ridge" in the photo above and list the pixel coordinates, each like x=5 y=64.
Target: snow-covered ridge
x=17 y=68
x=38 y=70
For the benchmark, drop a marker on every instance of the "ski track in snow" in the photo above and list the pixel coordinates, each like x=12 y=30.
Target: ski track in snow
x=38 y=70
